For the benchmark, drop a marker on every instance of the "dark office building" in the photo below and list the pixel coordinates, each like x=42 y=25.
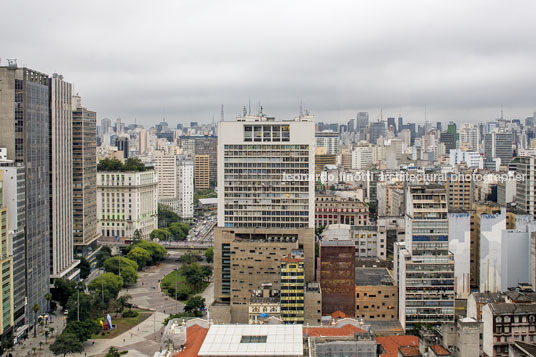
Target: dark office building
x=391 y=125
x=25 y=122
x=336 y=273
x=122 y=145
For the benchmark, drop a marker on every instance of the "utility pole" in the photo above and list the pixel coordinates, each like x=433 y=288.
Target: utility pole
x=176 y=300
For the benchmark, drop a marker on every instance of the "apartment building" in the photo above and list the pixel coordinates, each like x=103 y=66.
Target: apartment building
x=504 y=324
x=62 y=260
x=265 y=207
x=423 y=266
x=85 y=233
x=293 y=288
x=202 y=172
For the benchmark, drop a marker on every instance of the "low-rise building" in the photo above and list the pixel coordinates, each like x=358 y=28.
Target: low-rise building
x=263 y=304
x=376 y=294
x=335 y=209
x=505 y=323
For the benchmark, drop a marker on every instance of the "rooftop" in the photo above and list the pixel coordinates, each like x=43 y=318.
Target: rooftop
x=348 y=330
x=195 y=337
x=440 y=350
x=253 y=340
x=391 y=344
x=409 y=351
x=488 y=297
x=372 y=276
x=505 y=308
x=340 y=243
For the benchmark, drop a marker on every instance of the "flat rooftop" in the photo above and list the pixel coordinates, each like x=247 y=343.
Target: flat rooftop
x=372 y=276
x=253 y=340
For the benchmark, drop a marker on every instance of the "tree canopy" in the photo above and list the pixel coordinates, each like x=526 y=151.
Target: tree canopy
x=140 y=256
x=128 y=268
x=209 y=254
x=82 y=329
x=162 y=234
x=62 y=290
x=194 y=305
x=66 y=343
x=131 y=164
x=156 y=250
x=110 y=282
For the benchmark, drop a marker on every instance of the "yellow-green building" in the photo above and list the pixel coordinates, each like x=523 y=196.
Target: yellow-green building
x=6 y=260
x=293 y=288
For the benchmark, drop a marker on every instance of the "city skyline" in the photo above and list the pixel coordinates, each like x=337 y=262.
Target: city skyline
x=183 y=61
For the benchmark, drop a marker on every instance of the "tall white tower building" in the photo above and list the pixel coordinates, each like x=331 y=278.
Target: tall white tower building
x=423 y=266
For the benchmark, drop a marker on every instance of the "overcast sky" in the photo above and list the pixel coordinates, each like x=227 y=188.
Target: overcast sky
x=183 y=59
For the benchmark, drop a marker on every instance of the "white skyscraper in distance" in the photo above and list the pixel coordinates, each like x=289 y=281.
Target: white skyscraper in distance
x=61 y=173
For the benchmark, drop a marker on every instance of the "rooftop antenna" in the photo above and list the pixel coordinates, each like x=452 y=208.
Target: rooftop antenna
x=502 y=113
x=222 y=118
x=301 y=109
x=425 y=114
x=249 y=106
x=381 y=112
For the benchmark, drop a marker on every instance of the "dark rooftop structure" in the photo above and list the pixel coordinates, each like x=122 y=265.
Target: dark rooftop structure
x=372 y=276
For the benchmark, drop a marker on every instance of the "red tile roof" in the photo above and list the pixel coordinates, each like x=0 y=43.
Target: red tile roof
x=391 y=344
x=347 y=330
x=440 y=350
x=338 y=314
x=195 y=337
x=409 y=351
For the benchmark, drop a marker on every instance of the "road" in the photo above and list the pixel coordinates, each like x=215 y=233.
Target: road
x=147 y=294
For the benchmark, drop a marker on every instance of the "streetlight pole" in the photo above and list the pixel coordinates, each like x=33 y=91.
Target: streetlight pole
x=176 y=281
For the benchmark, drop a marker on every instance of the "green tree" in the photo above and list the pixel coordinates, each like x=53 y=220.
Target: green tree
x=194 y=305
x=103 y=254
x=84 y=308
x=162 y=234
x=112 y=352
x=36 y=309
x=109 y=165
x=193 y=274
x=62 y=290
x=85 y=267
x=66 y=343
x=107 y=283
x=166 y=216
x=128 y=269
x=48 y=297
x=156 y=250
x=83 y=330
x=209 y=254
x=179 y=231
x=136 y=236
x=140 y=256
x=189 y=258
x=183 y=293
x=133 y=164
x=123 y=301
x=206 y=271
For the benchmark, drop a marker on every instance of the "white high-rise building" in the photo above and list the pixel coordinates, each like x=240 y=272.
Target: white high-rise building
x=61 y=184
x=361 y=157
x=423 y=266
x=186 y=186
x=460 y=246
x=329 y=140
x=175 y=182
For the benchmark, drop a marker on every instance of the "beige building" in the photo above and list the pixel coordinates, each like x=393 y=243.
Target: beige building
x=202 y=172
x=376 y=294
x=264 y=304
x=85 y=233
x=265 y=207
x=333 y=209
x=126 y=202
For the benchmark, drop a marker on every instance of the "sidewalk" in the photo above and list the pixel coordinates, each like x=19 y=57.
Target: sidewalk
x=141 y=340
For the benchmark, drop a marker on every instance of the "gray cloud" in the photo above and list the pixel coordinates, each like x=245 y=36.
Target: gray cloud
x=183 y=59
